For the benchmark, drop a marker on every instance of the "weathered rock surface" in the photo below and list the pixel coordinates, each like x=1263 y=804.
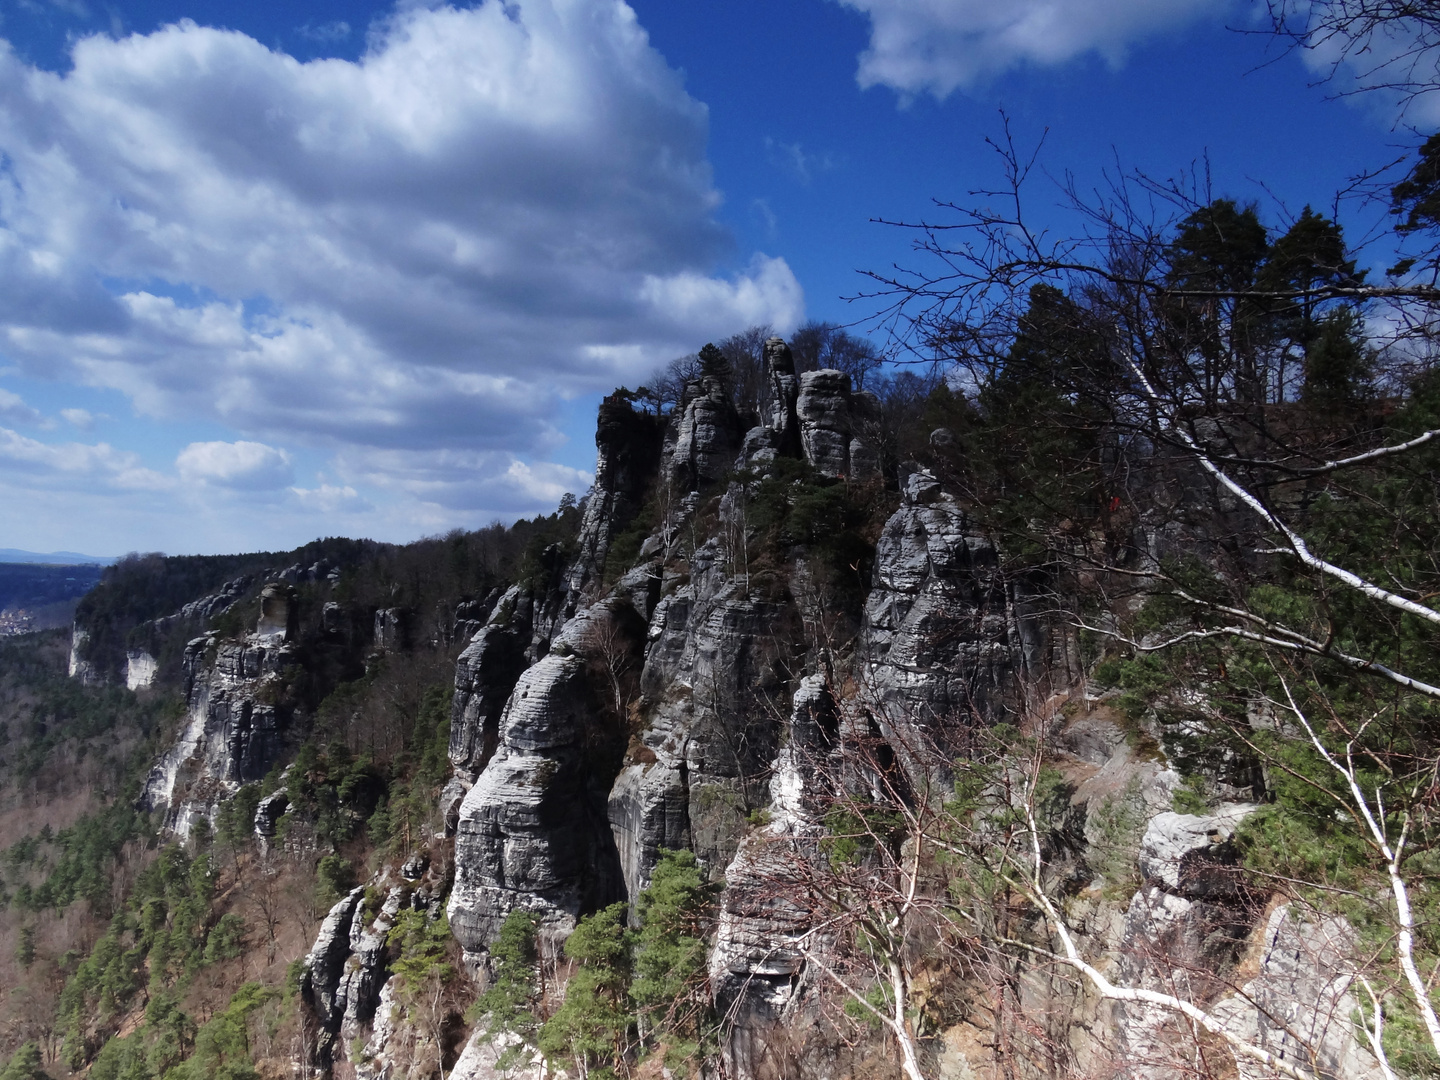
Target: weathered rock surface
x=784 y=390
x=233 y=730
x=939 y=641
x=713 y=673
x=324 y=977
x=480 y=1060
x=1300 y=1006
x=1183 y=934
x=485 y=674
x=707 y=437
x=140 y=669
x=823 y=409
x=531 y=830
x=393 y=629
x=80 y=669
x=1191 y=854
x=758 y=967
x=628 y=444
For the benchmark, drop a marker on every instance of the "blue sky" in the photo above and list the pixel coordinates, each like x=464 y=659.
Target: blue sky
x=281 y=271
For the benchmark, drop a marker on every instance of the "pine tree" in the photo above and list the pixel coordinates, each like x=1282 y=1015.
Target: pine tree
x=593 y=1029
x=514 y=989
x=670 y=987
x=25 y=1065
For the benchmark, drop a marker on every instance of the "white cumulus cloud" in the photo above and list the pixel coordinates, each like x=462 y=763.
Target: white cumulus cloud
x=244 y=466
x=424 y=249
x=95 y=468
x=938 y=46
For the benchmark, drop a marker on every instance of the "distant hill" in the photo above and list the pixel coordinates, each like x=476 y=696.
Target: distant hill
x=54 y=558
x=39 y=596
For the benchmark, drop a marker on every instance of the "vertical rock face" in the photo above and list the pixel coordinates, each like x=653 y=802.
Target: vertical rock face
x=277 y=612
x=838 y=430
x=1300 y=1003
x=1183 y=933
x=823 y=410
x=714 y=669
x=628 y=444
x=531 y=830
x=140 y=669
x=81 y=669
x=937 y=639
x=324 y=973
x=392 y=629
x=485 y=674
x=784 y=389
x=707 y=437
x=233 y=730
x=758 y=969
x=236 y=725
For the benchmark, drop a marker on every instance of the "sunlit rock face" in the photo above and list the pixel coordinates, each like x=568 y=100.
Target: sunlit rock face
x=531 y=830
x=140 y=669
x=707 y=436
x=713 y=677
x=232 y=733
x=80 y=669
x=939 y=641
x=671 y=703
x=234 y=730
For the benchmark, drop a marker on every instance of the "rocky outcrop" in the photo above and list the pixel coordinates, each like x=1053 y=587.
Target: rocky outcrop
x=217 y=603
x=531 y=830
x=233 y=730
x=481 y=1060
x=1300 y=1007
x=81 y=669
x=938 y=642
x=393 y=629
x=823 y=411
x=833 y=423
x=1183 y=934
x=1191 y=854
x=235 y=725
x=278 y=615
x=485 y=674
x=784 y=390
x=323 y=982
x=268 y=813
x=707 y=436
x=628 y=444
x=759 y=973
x=140 y=669
x=714 y=671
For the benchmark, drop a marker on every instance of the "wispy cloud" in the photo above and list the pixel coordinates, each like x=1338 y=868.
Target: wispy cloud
x=939 y=46
x=795 y=160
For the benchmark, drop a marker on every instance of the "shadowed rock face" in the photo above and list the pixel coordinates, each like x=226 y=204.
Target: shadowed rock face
x=628 y=443
x=485 y=674
x=784 y=389
x=759 y=973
